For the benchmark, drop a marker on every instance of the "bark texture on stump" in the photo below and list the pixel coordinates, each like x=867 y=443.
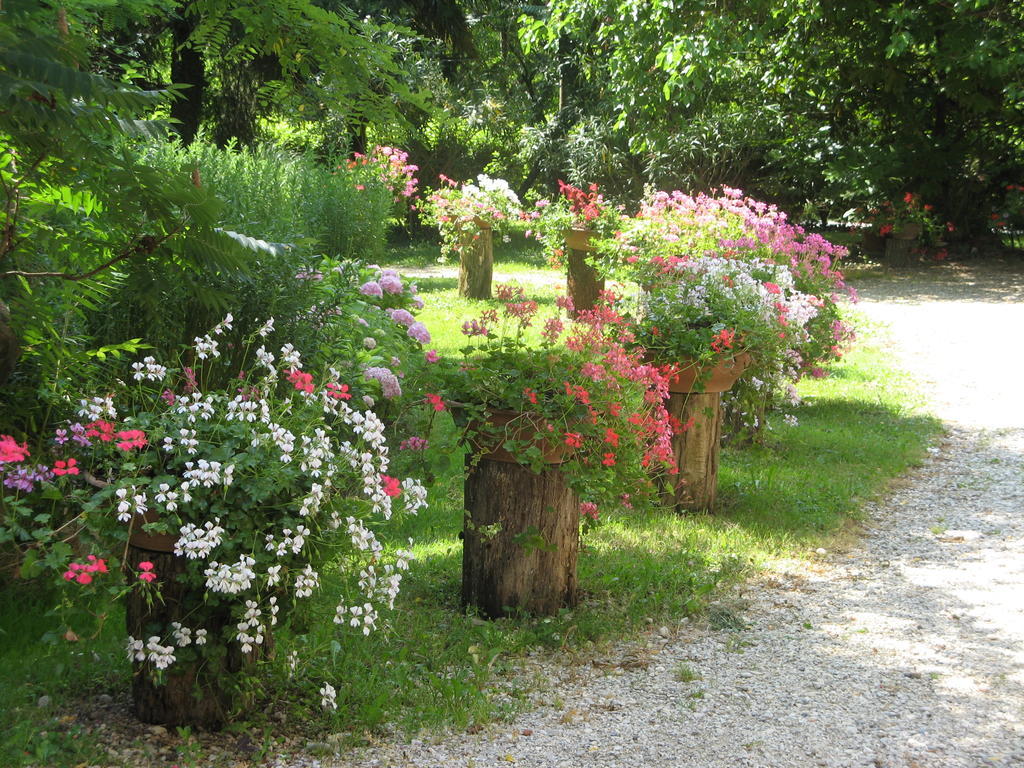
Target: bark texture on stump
x=192 y=693
x=521 y=540
x=696 y=451
x=583 y=280
x=476 y=264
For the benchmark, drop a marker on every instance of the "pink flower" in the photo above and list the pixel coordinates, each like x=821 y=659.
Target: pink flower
x=391 y=485
x=432 y=356
x=148 y=577
x=588 y=509
x=300 y=380
x=10 y=451
x=65 y=467
x=419 y=332
x=772 y=288
x=436 y=401
x=130 y=438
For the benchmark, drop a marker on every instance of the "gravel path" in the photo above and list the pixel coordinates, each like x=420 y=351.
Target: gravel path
x=906 y=652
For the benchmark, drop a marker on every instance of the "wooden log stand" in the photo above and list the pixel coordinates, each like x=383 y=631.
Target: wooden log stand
x=696 y=451
x=583 y=281
x=698 y=444
x=521 y=540
x=476 y=262
x=198 y=693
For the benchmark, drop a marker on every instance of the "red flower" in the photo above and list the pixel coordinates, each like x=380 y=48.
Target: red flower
x=608 y=460
x=574 y=439
x=104 y=430
x=723 y=340
x=772 y=288
x=131 y=438
x=338 y=391
x=530 y=395
x=611 y=437
x=885 y=230
x=391 y=485
x=10 y=451
x=302 y=381
x=436 y=401
x=65 y=467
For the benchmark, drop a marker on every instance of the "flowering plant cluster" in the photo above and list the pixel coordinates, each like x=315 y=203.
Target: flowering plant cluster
x=372 y=335
x=391 y=167
x=574 y=209
x=708 y=308
x=258 y=485
x=728 y=273
x=461 y=210
x=572 y=390
x=906 y=216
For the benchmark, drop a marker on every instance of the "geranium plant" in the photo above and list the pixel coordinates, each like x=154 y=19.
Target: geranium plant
x=257 y=486
x=461 y=210
x=905 y=216
x=702 y=310
x=573 y=389
x=788 y=272
x=585 y=211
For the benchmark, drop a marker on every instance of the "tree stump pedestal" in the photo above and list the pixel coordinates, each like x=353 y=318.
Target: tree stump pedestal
x=583 y=282
x=696 y=451
x=476 y=262
x=196 y=691
x=521 y=540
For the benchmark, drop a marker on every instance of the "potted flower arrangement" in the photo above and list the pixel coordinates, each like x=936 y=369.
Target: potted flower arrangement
x=574 y=227
x=221 y=505
x=559 y=420
x=466 y=214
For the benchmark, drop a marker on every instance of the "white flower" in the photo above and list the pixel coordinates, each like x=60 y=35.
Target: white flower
x=328 y=696
x=197 y=543
x=182 y=634
x=97 y=408
x=205 y=347
x=200 y=637
x=136 y=649
x=267 y=328
x=291 y=356
x=230 y=579
x=223 y=325
x=160 y=656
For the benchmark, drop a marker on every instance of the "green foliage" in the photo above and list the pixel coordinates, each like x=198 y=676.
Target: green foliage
x=78 y=206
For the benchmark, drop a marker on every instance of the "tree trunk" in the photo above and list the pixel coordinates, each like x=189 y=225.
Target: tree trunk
x=696 y=450
x=10 y=348
x=187 y=68
x=583 y=281
x=198 y=693
x=521 y=540
x=476 y=264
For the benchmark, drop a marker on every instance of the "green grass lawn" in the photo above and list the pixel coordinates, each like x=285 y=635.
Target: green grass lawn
x=436 y=666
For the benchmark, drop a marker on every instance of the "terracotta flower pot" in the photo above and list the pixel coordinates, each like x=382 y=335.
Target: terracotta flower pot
x=722 y=376
x=579 y=239
x=520 y=427
x=154 y=542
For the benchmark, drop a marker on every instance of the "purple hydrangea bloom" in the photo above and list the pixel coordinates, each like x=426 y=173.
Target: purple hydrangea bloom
x=402 y=316
x=388 y=381
x=391 y=283
x=419 y=332
x=371 y=288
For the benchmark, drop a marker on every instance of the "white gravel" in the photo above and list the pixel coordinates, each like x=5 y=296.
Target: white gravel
x=907 y=651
